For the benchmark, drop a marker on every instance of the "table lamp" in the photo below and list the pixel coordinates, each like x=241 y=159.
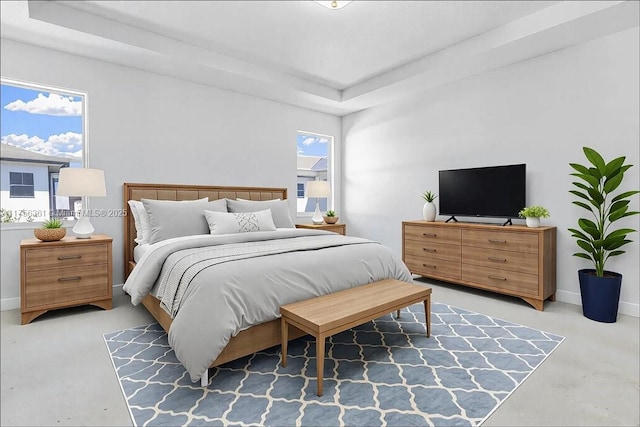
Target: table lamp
x=82 y=182
x=318 y=189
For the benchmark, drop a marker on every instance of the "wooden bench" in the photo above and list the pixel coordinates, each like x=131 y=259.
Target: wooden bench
x=328 y=315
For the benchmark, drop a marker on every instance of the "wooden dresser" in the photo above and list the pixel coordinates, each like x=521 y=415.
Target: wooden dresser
x=65 y=273
x=513 y=260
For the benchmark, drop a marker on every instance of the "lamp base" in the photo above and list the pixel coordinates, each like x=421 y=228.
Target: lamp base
x=317 y=216
x=83 y=228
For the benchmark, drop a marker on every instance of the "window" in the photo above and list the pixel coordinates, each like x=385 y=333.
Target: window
x=20 y=184
x=41 y=131
x=314 y=163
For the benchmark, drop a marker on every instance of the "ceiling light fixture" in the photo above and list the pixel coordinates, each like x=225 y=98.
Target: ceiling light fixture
x=333 y=4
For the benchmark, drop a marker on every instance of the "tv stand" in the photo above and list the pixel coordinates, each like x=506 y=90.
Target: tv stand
x=516 y=260
x=452 y=218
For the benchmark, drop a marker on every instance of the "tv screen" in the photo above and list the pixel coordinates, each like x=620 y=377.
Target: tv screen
x=496 y=191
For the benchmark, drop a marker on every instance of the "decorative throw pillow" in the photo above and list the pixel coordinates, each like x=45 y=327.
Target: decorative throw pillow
x=169 y=218
x=243 y=222
x=141 y=222
x=279 y=210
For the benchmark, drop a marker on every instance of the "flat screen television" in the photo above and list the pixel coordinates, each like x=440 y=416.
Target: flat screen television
x=495 y=191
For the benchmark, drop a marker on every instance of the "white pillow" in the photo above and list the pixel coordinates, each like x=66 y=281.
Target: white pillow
x=279 y=209
x=141 y=221
x=243 y=222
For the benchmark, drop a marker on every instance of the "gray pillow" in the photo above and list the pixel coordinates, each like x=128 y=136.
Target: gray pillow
x=279 y=210
x=170 y=218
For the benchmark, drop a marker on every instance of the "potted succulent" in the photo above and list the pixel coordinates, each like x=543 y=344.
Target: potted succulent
x=429 y=208
x=51 y=230
x=597 y=235
x=331 y=217
x=532 y=214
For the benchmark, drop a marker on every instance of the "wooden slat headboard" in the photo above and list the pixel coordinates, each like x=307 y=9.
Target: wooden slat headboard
x=183 y=192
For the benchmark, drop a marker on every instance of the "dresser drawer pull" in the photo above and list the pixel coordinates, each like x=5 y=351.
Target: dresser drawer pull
x=498 y=278
x=429 y=234
x=69 y=279
x=429 y=266
x=497 y=241
x=65 y=257
x=491 y=258
x=429 y=250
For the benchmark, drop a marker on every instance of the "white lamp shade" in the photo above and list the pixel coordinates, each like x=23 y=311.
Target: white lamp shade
x=318 y=189
x=81 y=182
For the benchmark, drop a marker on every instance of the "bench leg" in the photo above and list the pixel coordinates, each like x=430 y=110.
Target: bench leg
x=320 y=361
x=427 y=315
x=284 y=327
x=397 y=314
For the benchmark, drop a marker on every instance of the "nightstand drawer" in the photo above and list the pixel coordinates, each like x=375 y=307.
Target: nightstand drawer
x=65 y=256
x=69 y=285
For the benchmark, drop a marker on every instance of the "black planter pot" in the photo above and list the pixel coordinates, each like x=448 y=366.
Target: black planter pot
x=600 y=295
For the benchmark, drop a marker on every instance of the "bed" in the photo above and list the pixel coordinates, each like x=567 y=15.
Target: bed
x=254 y=337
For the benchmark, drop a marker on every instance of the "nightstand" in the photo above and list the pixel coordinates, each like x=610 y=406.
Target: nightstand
x=336 y=228
x=65 y=273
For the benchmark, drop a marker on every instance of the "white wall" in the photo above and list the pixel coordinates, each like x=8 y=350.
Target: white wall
x=144 y=127
x=540 y=112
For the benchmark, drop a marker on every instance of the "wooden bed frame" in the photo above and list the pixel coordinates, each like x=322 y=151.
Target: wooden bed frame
x=250 y=340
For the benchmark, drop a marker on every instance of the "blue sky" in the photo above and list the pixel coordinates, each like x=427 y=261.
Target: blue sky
x=312 y=145
x=40 y=121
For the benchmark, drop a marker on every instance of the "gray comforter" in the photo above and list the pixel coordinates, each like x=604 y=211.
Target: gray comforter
x=240 y=280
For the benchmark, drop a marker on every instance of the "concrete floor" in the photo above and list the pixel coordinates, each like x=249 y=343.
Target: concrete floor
x=57 y=371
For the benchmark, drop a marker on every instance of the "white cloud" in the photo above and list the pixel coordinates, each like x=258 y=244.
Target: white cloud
x=314 y=140
x=67 y=144
x=52 y=105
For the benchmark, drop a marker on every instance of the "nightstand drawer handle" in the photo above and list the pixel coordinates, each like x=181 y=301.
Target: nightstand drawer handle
x=491 y=258
x=64 y=257
x=429 y=250
x=498 y=278
x=497 y=241
x=69 y=279
x=429 y=266
x=430 y=234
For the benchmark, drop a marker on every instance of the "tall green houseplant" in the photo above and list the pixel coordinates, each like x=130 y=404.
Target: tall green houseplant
x=597 y=237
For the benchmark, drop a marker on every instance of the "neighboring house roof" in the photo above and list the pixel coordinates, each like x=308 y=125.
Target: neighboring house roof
x=312 y=163
x=17 y=154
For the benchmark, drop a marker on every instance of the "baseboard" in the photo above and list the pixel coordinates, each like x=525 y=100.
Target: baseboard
x=627 y=308
x=14 y=303
x=9 y=304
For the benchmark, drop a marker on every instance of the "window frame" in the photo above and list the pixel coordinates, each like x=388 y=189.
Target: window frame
x=85 y=138
x=330 y=170
x=13 y=185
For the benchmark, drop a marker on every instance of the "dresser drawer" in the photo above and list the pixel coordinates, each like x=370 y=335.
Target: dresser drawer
x=426 y=233
x=513 y=282
x=433 y=267
x=69 y=285
x=522 y=262
x=65 y=256
x=501 y=240
x=431 y=249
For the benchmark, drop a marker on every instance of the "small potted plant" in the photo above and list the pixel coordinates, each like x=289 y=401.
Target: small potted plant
x=533 y=215
x=429 y=208
x=51 y=230
x=331 y=217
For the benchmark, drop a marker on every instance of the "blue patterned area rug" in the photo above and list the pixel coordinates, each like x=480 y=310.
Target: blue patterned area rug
x=386 y=372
